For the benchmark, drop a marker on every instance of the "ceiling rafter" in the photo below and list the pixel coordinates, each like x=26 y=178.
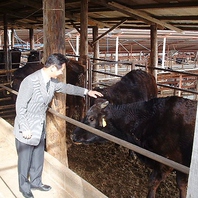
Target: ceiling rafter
x=167 y=5
x=33 y=4
x=15 y=16
x=91 y=22
x=135 y=17
x=143 y=15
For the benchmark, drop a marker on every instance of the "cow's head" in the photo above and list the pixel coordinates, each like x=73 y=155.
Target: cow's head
x=94 y=118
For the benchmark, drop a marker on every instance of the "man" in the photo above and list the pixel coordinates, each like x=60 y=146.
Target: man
x=29 y=127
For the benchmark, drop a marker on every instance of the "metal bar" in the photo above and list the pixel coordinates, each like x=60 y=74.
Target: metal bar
x=7 y=107
x=180 y=89
x=9 y=89
x=128 y=145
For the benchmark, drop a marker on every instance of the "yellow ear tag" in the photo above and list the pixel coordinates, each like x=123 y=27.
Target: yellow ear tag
x=104 y=124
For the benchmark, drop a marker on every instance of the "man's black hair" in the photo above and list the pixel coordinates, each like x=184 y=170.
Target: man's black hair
x=56 y=59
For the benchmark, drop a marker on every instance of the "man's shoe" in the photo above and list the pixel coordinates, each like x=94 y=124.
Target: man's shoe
x=42 y=188
x=28 y=195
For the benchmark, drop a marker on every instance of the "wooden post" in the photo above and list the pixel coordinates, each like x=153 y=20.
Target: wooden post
x=54 y=42
x=83 y=31
x=180 y=84
x=154 y=50
x=84 y=42
x=12 y=38
x=6 y=49
x=6 y=43
x=96 y=53
x=116 y=55
x=131 y=58
x=163 y=53
x=31 y=35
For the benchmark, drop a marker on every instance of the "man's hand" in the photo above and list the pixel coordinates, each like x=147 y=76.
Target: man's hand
x=94 y=94
x=27 y=134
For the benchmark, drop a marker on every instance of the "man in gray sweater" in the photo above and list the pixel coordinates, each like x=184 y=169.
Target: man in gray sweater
x=35 y=93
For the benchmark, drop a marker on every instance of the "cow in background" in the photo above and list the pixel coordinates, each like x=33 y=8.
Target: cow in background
x=14 y=55
x=137 y=85
x=75 y=73
x=164 y=126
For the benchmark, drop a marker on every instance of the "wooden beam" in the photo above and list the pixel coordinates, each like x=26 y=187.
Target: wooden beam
x=31 y=35
x=143 y=15
x=74 y=25
x=112 y=28
x=154 y=51
x=187 y=4
x=91 y=22
x=54 y=42
x=96 y=54
x=5 y=47
x=12 y=38
x=33 y=4
x=84 y=31
x=16 y=18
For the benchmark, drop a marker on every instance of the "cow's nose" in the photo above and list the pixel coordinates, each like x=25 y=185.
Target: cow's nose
x=74 y=139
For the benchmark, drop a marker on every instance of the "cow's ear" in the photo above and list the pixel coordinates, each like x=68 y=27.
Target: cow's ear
x=104 y=104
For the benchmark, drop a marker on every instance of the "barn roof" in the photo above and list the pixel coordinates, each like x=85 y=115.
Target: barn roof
x=173 y=17
x=168 y=14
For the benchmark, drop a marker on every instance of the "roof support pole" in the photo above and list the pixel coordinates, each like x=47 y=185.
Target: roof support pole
x=83 y=31
x=84 y=37
x=31 y=35
x=96 y=53
x=6 y=43
x=116 y=55
x=154 y=50
x=163 y=52
x=84 y=47
x=12 y=38
x=54 y=42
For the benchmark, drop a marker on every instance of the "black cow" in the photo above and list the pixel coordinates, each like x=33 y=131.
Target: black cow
x=164 y=126
x=75 y=73
x=14 y=57
x=137 y=85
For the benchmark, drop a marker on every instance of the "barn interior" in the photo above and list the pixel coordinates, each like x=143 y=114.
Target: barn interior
x=124 y=38
x=128 y=20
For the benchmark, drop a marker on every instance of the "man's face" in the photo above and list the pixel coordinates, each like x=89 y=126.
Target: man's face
x=58 y=72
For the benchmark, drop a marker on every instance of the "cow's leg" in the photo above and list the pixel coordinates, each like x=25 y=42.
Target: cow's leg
x=182 y=180
x=156 y=177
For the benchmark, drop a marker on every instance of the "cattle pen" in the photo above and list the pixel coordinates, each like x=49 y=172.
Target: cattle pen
x=151 y=155
x=157 y=32
x=168 y=80
x=137 y=149
x=174 y=82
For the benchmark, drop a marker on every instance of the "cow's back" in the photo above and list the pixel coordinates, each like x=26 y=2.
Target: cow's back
x=168 y=129
x=137 y=85
x=144 y=81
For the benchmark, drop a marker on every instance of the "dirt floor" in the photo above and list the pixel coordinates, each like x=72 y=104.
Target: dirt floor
x=113 y=172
